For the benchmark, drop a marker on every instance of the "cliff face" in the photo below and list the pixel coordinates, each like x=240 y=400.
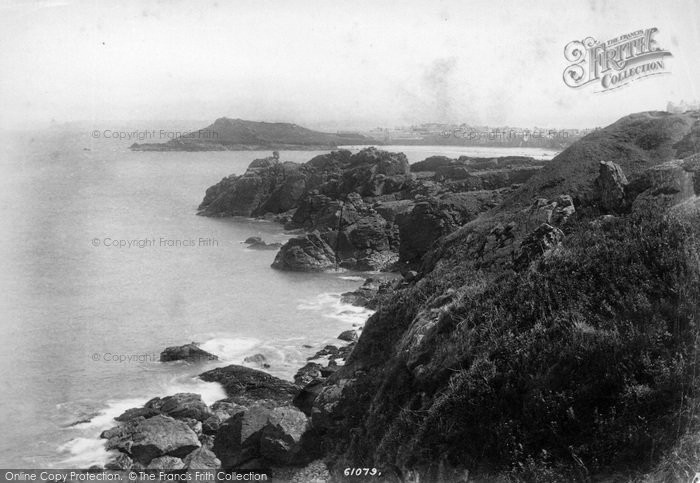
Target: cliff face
x=364 y=211
x=550 y=339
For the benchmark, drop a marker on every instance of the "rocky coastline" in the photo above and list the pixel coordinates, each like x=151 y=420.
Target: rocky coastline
x=523 y=342
x=368 y=211
x=263 y=425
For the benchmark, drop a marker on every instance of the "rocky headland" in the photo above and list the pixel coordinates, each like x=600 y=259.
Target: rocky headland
x=544 y=329
x=369 y=210
x=227 y=134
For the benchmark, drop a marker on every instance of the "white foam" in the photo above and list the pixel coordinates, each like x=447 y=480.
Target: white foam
x=353 y=278
x=228 y=349
x=329 y=305
x=210 y=391
x=105 y=418
x=89 y=449
x=84 y=452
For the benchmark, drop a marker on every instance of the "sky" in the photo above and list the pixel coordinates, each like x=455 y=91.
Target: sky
x=334 y=65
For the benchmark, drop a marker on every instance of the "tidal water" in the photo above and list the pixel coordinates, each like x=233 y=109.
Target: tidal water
x=103 y=263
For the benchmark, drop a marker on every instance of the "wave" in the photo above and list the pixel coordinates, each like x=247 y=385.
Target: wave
x=230 y=349
x=330 y=306
x=86 y=448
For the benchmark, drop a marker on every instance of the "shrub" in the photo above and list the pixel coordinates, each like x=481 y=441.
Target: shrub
x=583 y=363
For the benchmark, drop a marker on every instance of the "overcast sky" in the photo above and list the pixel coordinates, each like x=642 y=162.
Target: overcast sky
x=329 y=63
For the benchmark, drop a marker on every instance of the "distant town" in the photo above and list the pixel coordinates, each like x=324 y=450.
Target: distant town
x=471 y=135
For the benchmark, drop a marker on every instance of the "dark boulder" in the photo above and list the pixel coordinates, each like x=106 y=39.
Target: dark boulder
x=202 y=459
x=244 y=385
x=222 y=411
x=188 y=352
x=257 y=243
x=307 y=374
x=350 y=234
x=609 y=186
x=264 y=432
x=304 y=400
x=146 y=439
x=181 y=406
x=665 y=185
x=253 y=239
x=554 y=212
x=134 y=413
x=537 y=243
x=433 y=163
x=348 y=336
x=305 y=254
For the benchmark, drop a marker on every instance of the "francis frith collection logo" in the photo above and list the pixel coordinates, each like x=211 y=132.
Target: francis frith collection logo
x=614 y=63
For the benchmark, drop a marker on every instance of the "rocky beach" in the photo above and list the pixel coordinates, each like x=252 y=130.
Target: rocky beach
x=508 y=262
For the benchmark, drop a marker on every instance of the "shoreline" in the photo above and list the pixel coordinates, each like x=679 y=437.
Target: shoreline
x=322 y=363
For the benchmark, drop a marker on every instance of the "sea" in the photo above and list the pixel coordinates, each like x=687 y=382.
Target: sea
x=104 y=263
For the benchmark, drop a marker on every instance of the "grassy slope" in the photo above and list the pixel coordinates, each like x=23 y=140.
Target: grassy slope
x=635 y=142
x=583 y=364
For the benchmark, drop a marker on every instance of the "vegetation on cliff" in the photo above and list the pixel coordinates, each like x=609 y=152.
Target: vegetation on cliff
x=582 y=363
x=541 y=342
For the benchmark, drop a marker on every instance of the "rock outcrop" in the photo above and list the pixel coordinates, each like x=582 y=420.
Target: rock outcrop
x=609 y=187
x=263 y=432
x=358 y=209
x=188 y=352
x=257 y=425
x=433 y=218
x=665 y=185
x=308 y=253
x=257 y=243
x=268 y=186
x=180 y=406
x=202 y=459
x=244 y=385
x=539 y=242
x=146 y=439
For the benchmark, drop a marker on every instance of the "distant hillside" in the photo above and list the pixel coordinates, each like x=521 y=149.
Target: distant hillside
x=635 y=142
x=238 y=134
